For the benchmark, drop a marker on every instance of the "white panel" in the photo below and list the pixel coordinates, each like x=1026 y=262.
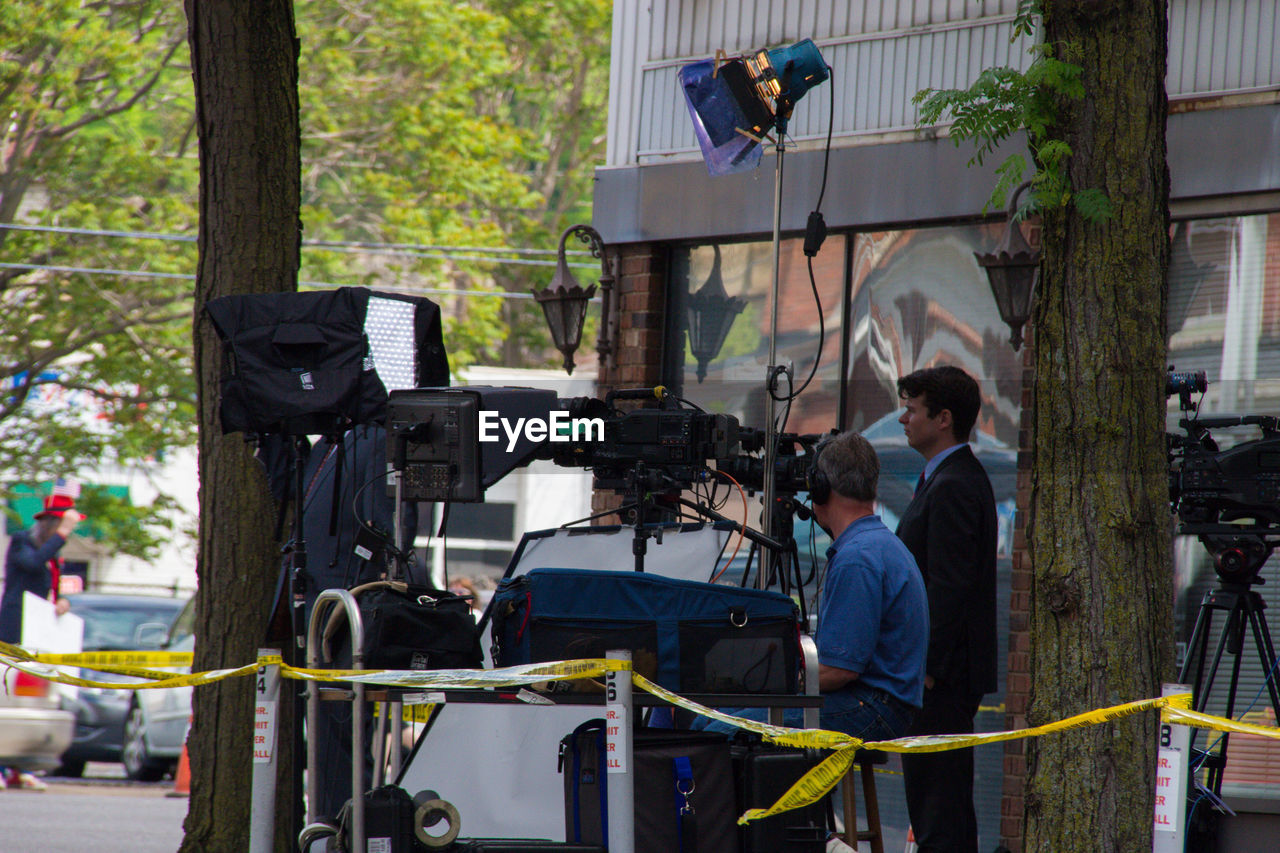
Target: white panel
x=830 y=16
x=776 y=31
x=857 y=18
x=715 y=27
x=1175 y=77
x=1219 y=33
x=1268 y=40
x=1204 y=47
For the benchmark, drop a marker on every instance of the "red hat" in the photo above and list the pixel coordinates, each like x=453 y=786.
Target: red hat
x=56 y=505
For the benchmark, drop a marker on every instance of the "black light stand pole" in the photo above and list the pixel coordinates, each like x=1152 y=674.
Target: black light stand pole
x=298 y=553
x=771 y=371
x=298 y=612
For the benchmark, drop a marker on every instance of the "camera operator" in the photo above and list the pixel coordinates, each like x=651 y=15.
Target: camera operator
x=873 y=617
x=873 y=623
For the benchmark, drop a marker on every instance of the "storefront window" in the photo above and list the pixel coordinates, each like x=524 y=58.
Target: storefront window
x=732 y=378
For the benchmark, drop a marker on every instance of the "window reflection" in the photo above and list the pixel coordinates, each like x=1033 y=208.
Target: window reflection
x=734 y=378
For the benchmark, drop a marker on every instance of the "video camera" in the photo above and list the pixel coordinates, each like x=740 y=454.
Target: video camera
x=450 y=444
x=790 y=471
x=1229 y=498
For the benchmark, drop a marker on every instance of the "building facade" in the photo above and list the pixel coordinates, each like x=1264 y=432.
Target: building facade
x=895 y=286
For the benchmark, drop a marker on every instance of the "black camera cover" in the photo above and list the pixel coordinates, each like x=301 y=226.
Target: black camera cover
x=319 y=362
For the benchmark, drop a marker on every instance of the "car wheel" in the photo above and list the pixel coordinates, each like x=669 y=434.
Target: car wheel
x=138 y=763
x=72 y=768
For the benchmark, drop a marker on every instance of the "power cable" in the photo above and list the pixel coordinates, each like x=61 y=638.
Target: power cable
x=322 y=285
x=413 y=249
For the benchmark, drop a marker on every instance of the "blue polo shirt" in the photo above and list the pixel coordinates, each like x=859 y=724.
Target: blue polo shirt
x=873 y=618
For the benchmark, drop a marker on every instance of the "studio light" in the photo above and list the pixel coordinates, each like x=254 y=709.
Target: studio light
x=564 y=302
x=1012 y=269
x=735 y=103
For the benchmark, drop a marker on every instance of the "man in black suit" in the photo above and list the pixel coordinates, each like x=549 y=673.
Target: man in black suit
x=950 y=528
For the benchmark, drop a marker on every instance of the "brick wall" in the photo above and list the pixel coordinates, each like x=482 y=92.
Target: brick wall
x=1018 y=680
x=637 y=362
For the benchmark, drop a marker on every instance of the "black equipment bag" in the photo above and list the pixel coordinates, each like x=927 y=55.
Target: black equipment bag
x=314 y=363
x=689 y=637
x=683 y=781
x=407 y=626
x=388 y=822
x=763 y=773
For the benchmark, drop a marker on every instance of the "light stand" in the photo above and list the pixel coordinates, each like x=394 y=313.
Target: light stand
x=772 y=370
x=733 y=106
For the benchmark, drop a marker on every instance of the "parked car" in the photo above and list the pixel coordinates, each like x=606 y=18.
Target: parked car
x=111 y=623
x=155 y=726
x=34 y=731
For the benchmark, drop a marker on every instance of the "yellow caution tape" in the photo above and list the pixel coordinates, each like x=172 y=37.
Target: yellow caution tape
x=1187 y=717
x=162 y=681
x=459 y=679
x=99 y=660
x=784 y=735
x=814 y=785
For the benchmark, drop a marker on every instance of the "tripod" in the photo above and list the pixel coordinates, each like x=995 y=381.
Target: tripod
x=1238 y=558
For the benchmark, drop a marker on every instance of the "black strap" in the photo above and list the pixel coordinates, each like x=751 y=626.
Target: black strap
x=341 y=448
x=686 y=816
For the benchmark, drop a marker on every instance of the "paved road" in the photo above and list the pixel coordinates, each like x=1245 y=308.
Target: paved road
x=99 y=813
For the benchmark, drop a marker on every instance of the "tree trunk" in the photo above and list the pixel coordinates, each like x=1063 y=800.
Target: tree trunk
x=244 y=57
x=1099 y=526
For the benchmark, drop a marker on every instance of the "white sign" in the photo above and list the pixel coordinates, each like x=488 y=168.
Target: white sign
x=45 y=631
x=1171 y=783
x=1169 y=769
x=264 y=730
x=615 y=733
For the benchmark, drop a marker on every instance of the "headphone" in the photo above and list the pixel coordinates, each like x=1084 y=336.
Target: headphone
x=819 y=483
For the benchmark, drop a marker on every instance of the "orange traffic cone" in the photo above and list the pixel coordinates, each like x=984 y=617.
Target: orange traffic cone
x=182 y=779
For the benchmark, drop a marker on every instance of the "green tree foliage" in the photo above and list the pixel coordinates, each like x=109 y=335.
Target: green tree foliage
x=424 y=123
x=94 y=367
x=558 y=93
x=1003 y=102
x=438 y=123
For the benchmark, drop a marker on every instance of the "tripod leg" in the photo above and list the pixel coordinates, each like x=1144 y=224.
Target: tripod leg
x=1197 y=648
x=1231 y=626
x=1233 y=634
x=1266 y=653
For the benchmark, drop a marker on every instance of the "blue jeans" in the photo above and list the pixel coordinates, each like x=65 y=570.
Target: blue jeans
x=865 y=713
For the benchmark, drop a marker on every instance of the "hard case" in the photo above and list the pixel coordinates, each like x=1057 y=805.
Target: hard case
x=710 y=827
x=688 y=637
x=762 y=774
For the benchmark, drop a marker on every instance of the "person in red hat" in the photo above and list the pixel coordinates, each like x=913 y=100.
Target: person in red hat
x=32 y=564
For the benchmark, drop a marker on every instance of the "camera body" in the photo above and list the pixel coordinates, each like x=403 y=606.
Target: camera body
x=1211 y=486
x=665 y=448
x=1229 y=498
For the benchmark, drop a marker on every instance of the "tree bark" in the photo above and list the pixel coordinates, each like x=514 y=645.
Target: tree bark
x=1099 y=526
x=244 y=57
